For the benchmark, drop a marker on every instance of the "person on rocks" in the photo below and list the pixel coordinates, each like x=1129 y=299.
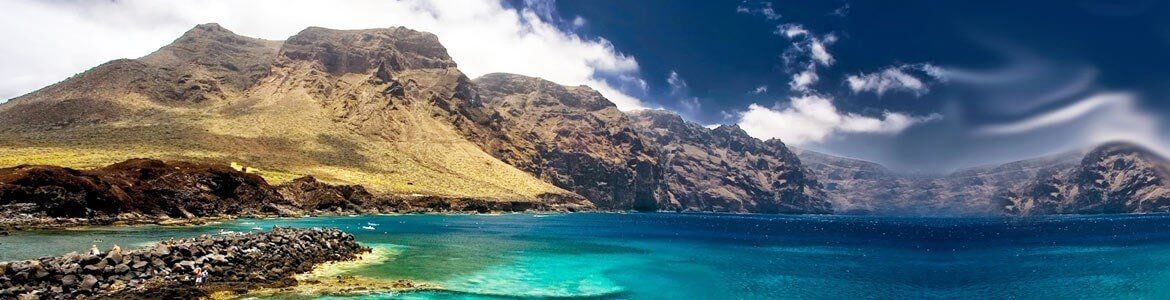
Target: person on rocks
x=116 y=248
x=93 y=250
x=200 y=275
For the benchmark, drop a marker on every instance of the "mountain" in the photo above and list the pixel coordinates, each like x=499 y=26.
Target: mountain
x=383 y=108
x=571 y=136
x=726 y=170
x=386 y=111
x=861 y=187
x=1113 y=178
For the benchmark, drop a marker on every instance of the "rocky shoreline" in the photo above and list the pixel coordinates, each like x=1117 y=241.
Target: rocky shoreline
x=149 y=191
x=235 y=262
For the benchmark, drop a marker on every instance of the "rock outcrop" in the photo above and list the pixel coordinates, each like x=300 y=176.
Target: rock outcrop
x=1112 y=179
x=166 y=270
x=132 y=191
x=570 y=136
x=313 y=195
x=726 y=170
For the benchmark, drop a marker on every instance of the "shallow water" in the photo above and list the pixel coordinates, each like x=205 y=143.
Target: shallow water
x=661 y=256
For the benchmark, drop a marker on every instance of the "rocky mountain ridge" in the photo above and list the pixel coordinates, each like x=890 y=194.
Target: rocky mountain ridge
x=1112 y=178
x=726 y=170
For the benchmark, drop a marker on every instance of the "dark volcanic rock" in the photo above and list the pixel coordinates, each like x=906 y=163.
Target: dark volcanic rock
x=137 y=188
x=239 y=259
x=570 y=136
x=310 y=194
x=726 y=170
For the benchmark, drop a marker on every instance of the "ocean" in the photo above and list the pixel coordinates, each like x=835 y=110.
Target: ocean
x=714 y=256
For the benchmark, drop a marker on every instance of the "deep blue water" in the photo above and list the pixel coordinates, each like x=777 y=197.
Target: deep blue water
x=682 y=256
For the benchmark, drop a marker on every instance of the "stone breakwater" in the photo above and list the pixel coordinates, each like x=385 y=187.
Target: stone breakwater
x=234 y=262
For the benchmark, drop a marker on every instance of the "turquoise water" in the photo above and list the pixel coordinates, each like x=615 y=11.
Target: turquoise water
x=673 y=256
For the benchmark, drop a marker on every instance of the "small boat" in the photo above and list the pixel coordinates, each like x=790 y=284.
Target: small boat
x=368 y=227
x=257 y=228
x=371 y=224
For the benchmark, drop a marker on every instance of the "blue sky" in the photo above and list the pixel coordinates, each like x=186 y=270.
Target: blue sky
x=920 y=86
x=1012 y=79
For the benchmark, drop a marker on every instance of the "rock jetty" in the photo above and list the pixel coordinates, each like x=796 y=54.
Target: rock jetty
x=166 y=270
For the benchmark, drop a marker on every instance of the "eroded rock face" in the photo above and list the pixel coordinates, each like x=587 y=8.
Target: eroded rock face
x=1111 y=179
x=359 y=51
x=726 y=170
x=166 y=270
x=137 y=188
x=570 y=136
x=310 y=194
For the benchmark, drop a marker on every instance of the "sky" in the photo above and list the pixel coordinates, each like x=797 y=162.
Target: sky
x=919 y=86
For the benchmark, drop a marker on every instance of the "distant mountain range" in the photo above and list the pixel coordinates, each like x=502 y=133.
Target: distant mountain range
x=389 y=110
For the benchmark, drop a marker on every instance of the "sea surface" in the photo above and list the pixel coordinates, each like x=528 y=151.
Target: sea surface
x=705 y=256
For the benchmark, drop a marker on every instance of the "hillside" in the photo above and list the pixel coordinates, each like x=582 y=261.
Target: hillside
x=1113 y=178
x=381 y=108
x=726 y=170
x=570 y=136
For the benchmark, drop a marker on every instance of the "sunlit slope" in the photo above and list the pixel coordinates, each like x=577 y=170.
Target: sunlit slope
x=306 y=114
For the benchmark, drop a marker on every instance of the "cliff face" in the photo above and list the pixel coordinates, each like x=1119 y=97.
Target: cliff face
x=1113 y=178
x=570 y=136
x=725 y=170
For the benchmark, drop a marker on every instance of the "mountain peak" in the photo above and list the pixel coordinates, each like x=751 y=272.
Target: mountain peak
x=363 y=50
x=548 y=93
x=730 y=129
x=209 y=27
x=1120 y=147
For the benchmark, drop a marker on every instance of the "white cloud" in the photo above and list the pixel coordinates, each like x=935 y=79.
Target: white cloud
x=805 y=44
x=809 y=51
x=690 y=104
x=765 y=9
x=894 y=78
x=760 y=90
x=841 y=11
x=813 y=118
x=790 y=30
x=818 y=51
x=1060 y=116
x=801 y=81
x=1099 y=118
x=677 y=84
x=58 y=39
